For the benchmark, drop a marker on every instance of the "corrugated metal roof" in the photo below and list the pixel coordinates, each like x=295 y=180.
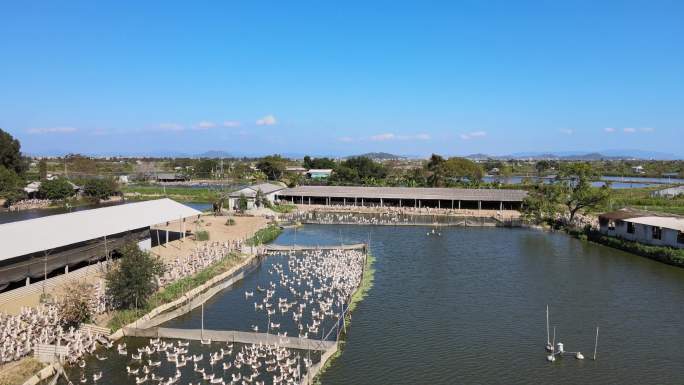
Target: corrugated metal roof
x=665 y=222
x=46 y=233
x=265 y=188
x=407 y=193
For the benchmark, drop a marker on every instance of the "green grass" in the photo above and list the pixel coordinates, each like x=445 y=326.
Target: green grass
x=640 y=198
x=266 y=235
x=283 y=208
x=186 y=194
x=174 y=291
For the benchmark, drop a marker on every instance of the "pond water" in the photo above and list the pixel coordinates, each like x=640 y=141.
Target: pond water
x=468 y=307
x=616 y=182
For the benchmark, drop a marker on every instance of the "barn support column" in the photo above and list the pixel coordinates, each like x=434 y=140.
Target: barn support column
x=355 y=201
x=419 y=203
x=452 y=204
x=344 y=201
x=459 y=204
x=439 y=203
x=28 y=281
x=380 y=202
x=309 y=201
x=361 y=202
x=500 y=205
x=479 y=205
x=399 y=202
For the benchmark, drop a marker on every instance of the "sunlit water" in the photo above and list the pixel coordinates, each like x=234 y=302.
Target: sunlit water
x=468 y=307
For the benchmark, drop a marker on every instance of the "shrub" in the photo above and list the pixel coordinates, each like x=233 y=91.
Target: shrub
x=202 y=235
x=132 y=280
x=75 y=305
x=230 y=222
x=264 y=235
x=663 y=254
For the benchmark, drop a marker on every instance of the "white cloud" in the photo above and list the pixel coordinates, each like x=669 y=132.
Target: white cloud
x=346 y=139
x=422 y=137
x=268 y=120
x=51 y=130
x=170 y=127
x=472 y=135
x=609 y=129
x=567 y=131
x=629 y=130
x=231 y=123
x=383 y=137
x=647 y=129
x=205 y=125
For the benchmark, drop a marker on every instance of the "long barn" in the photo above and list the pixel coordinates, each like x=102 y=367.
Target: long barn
x=34 y=248
x=445 y=198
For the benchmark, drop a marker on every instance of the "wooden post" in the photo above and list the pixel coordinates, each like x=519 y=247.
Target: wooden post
x=479 y=205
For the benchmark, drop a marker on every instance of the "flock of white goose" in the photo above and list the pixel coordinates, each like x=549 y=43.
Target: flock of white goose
x=311 y=285
x=164 y=362
x=203 y=256
x=20 y=334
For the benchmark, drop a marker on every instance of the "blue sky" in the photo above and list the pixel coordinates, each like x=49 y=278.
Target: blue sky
x=339 y=78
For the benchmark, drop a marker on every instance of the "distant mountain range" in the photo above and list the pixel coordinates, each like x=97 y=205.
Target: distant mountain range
x=578 y=155
x=382 y=156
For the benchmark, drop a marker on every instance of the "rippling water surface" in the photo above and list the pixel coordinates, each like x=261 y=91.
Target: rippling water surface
x=469 y=308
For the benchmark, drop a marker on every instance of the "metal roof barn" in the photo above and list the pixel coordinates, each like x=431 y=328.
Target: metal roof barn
x=50 y=232
x=406 y=193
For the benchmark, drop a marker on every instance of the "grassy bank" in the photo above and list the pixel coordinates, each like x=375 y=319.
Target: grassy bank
x=15 y=373
x=663 y=254
x=174 y=291
x=265 y=235
x=179 y=193
x=640 y=198
x=358 y=296
x=283 y=208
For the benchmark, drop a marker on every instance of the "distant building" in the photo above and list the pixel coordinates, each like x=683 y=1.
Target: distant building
x=644 y=227
x=638 y=169
x=170 y=177
x=296 y=170
x=268 y=189
x=319 y=173
x=668 y=192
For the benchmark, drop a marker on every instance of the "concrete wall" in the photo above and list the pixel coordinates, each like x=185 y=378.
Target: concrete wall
x=642 y=234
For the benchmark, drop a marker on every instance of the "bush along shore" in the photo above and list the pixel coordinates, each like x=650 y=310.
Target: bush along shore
x=664 y=254
x=121 y=318
x=358 y=296
x=266 y=235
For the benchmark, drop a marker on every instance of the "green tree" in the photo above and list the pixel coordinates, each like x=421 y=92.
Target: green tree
x=576 y=192
x=206 y=168
x=242 y=203
x=259 y=198
x=133 y=279
x=10 y=185
x=359 y=169
x=273 y=166
x=542 y=203
x=318 y=163
x=42 y=169
x=10 y=153
x=100 y=188
x=56 y=189
x=445 y=172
